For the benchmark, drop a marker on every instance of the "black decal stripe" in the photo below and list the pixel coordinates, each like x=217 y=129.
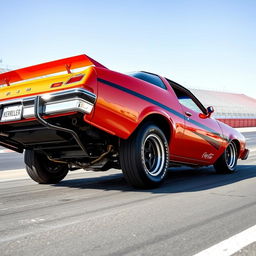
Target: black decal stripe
x=210 y=140
x=143 y=97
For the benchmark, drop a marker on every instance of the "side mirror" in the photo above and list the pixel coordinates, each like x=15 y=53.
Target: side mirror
x=210 y=110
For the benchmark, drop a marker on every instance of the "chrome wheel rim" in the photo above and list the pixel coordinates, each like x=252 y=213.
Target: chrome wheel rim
x=230 y=156
x=153 y=155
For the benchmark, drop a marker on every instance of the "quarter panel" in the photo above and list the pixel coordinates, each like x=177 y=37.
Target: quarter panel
x=123 y=102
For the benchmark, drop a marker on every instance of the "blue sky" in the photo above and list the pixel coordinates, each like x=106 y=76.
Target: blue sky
x=200 y=44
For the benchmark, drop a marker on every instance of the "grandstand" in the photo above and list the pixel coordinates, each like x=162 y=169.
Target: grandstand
x=2 y=70
x=236 y=110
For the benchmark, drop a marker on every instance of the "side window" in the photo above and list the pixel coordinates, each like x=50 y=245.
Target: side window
x=186 y=100
x=189 y=103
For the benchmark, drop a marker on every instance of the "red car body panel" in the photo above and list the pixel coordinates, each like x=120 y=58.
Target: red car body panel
x=124 y=102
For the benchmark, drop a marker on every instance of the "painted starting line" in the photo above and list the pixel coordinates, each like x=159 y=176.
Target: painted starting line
x=232 y=244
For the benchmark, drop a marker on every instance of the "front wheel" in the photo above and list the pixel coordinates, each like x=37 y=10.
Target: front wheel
x=42 y=170
x=228 y=160
x=144 y=157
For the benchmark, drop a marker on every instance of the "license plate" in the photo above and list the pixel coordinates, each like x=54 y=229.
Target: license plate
x=11 y=113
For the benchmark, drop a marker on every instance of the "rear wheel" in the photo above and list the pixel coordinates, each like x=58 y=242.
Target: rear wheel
x=42 y=170
x=228 y=160
x=144 y=157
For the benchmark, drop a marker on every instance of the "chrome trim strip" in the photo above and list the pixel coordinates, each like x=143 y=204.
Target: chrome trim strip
x=77 y=99
x=74 y=104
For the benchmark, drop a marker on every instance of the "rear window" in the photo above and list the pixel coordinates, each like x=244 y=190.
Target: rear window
x=150 y=78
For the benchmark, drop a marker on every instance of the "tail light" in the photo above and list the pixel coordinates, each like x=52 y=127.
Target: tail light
x=75 y=79
x=56 y=85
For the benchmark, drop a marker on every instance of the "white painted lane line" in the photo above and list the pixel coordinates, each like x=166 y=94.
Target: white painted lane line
x=232 y=244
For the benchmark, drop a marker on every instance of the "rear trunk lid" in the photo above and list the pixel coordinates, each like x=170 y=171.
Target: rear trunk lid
x=36 y=80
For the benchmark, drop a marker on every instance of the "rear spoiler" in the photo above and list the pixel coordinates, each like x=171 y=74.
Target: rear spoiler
x=48 y=68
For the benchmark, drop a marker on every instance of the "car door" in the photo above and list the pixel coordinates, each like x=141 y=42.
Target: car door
x=202 y=137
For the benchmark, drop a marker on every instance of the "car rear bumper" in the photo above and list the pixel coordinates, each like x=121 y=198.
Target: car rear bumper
x=72 y=100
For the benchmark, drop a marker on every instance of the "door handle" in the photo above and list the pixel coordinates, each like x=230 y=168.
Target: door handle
x=188 y=113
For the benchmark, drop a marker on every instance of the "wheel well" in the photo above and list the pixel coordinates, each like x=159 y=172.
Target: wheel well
x=237 y=146
x=160 y=121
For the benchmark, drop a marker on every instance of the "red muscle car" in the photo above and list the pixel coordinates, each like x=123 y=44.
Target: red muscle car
x=95 y=118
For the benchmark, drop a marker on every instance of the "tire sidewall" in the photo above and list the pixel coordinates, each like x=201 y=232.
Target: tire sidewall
x=145 y=131
x=221 y=165
x=232 y=169
x=36 y=165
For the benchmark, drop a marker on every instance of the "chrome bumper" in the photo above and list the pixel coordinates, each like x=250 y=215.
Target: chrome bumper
x=73 y=100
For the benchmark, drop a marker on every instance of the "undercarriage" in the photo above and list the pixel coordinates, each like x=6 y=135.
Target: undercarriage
x=66 y=139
